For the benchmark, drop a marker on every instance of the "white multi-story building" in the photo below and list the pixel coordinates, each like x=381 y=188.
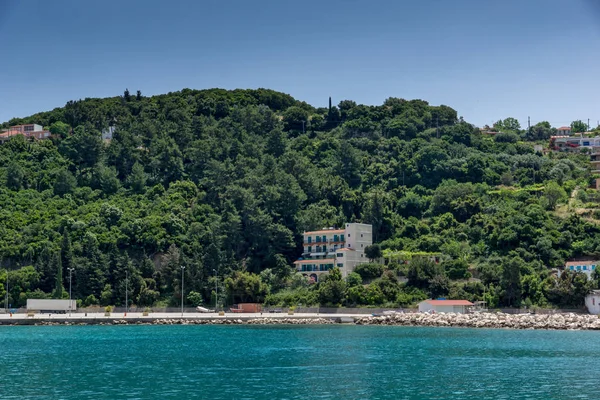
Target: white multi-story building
x=329 y=248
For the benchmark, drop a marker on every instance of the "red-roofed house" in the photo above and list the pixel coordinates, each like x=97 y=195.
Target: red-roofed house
x=446 y=306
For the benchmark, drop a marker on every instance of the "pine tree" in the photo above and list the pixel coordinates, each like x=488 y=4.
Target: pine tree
x=137 y=179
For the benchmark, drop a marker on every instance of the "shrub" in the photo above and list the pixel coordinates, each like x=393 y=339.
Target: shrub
x=369 y=270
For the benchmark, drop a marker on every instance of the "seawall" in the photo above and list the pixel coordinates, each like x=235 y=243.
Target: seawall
x=477 y=320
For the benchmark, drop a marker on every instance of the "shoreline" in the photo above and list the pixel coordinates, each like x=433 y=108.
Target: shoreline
x=567 y=321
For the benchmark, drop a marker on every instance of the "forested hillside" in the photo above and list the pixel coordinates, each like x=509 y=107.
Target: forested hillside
x=225 y=182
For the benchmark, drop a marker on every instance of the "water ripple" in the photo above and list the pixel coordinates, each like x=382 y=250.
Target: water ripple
x=306 y=362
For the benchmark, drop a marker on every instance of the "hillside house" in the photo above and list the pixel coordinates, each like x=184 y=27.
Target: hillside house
x=564 y=131
x=587 y=267
x=33 y=131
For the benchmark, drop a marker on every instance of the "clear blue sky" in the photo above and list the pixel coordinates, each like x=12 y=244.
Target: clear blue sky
x=486 y=59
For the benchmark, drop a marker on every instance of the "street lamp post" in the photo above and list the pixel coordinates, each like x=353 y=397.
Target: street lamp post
x=216 y=289
x=70 y=281
x=6 y=301
x=126 y=292
x=182 y=269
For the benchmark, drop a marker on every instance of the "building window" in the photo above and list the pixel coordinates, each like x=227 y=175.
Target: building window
x=324 y=238
x=585 y=267
x=361 y=254
x=593 y=267
x=309 y=249
x=348 y=235
x=309 y=239
x=335 y=238
x=28 y=128
x=339 y=255
x=579 y=268
x=341 y=238
x=340 y=265
x=318 y=239
x=362 y=245
x=572 y=268
x=361 y=235
x=593 y=301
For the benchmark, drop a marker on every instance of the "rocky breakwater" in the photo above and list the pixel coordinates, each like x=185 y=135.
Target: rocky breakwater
x=488 y=320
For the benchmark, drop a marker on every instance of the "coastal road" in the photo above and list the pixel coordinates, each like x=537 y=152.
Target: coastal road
x=175 y=316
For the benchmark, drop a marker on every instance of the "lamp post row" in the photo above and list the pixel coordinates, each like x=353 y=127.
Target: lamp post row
x=127 y=289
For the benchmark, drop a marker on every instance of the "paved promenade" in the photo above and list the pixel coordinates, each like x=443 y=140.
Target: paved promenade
x=89 y=317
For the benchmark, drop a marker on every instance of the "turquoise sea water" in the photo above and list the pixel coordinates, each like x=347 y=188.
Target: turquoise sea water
x=288 y=362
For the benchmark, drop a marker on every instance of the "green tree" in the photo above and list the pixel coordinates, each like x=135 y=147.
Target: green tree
x=245 y=287
x=369 y=270
x=83 y=148
x=137 y=179
x=65 y=183
x=353 y=279
x=508 y=125
x=14 y=176
x=59 y=129
x=555 y=194
x=106 y=295
x=332 y=289
x=541 y=131
x=194 y=298
x=107 y=180
x=373 y=252
x=578 y=126
x=377 y=213
x=511 y=281
x=294 y=118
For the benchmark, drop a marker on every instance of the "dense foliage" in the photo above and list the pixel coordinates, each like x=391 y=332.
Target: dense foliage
x=225 y=182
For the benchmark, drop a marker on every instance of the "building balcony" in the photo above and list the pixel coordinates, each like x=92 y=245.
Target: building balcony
x=318 y=269
x=329 y=241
